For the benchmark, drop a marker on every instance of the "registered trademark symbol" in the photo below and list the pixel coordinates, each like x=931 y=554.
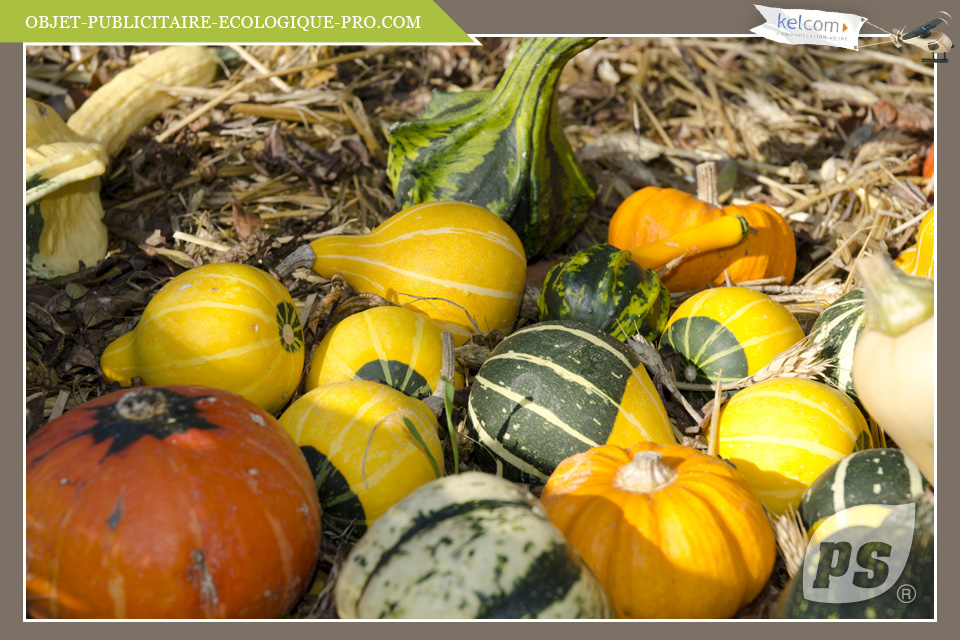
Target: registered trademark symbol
x=906 y=593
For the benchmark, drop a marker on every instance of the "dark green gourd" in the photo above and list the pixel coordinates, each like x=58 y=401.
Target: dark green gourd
x=501 y=149
x=605 y=288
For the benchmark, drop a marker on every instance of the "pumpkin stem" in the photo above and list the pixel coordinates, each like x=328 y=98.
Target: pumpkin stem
x=894 y=302
x=142 y=404
x=708 y=188
x=302 y=258
x=646 y=472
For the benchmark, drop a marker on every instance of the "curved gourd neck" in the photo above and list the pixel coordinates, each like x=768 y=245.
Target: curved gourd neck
x=539 y=61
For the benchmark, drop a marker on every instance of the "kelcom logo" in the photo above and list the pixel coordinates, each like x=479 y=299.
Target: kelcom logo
x=799 y=24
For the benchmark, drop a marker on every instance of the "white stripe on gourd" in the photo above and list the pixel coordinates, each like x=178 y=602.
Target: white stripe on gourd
x=794 y=443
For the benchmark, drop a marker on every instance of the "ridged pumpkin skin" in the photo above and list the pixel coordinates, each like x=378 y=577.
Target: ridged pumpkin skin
x=362 y=455
x=653 y=213
x=781 y=434
x=603 y=287
x=459 y=252
x=199 y=506
x=392 y=345
x=919 y=259
x=870 y=477
x=729 y=333
x=227 y=326
x=555 y=389
x=699 y=546
x=469 y=546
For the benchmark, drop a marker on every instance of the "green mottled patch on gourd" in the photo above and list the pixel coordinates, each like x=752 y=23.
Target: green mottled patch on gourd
x=712 y=349
x=501 y=149
x=399 y=375
x=342 y=512
x=288 y=324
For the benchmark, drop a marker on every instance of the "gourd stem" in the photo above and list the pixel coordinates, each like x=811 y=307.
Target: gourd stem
x=447 y=364
x=707 y=183
x=302 y=258
x=722 y=233
x=646 y=472
x=894 y=302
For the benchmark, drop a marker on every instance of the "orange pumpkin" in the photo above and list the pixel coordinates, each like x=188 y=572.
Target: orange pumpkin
x=669 y=532
x=928 y=168
x=168 y=502
x=653 y=214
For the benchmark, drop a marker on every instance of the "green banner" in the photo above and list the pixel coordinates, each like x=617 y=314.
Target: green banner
x=242 y=21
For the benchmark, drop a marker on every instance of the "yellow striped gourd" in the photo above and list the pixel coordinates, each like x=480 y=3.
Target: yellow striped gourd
x=392 y=345
x=442 y=259
x=781 y=434
x=361 y=450
x=733 y=330
x=228 y=326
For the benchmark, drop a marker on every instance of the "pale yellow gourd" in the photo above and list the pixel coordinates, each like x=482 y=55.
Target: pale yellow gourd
x=895 y=360
x=444 y=260
x=228 y=326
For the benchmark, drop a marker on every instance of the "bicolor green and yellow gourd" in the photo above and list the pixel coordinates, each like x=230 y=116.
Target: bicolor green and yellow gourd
x=835 y=333
x=555 y=389
x=782 y=433
x=356 y=438
x=444 y=260
x=225 y=325
x=728 y=333
x=392 y=345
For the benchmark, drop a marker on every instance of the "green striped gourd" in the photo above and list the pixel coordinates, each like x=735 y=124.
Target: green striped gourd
x=224 y=325
x=361 y=450
x=836 y=332
x=555 y=389
x=450 y=261
x=871 y=477
x=392 y=345
x=471 y=546
x=501 y=149
x=911 y=596
x=733 y=330
x=605 y=288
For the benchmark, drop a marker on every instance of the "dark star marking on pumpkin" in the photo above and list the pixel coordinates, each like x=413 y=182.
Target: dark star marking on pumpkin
x=343 y=513
x=288 y=324
x=113 y=422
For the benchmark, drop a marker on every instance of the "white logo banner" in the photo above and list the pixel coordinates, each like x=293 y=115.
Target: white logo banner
x=801 y=26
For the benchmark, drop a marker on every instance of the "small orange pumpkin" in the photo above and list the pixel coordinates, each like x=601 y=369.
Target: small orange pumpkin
x=928 y=169
x=653 y=214
x=168 y=502
x=669 y=532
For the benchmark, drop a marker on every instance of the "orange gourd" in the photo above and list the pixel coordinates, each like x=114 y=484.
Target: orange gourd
x=928 y=169
x=654 y=214
x=670 y=532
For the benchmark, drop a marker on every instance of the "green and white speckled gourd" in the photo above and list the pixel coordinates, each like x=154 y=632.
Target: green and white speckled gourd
x=501 y=149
